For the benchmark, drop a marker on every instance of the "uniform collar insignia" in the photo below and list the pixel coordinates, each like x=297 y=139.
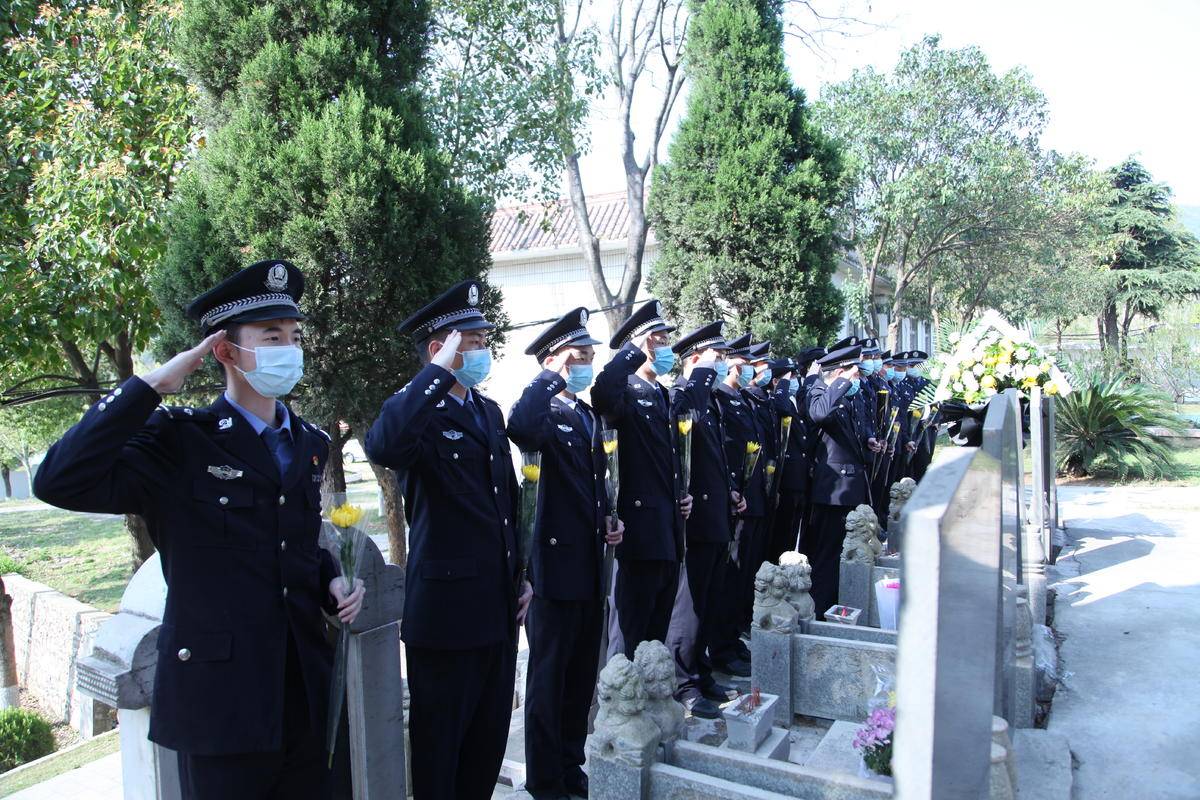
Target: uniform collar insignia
x=224 y=473
x=453 y=436
x=226 y=423
x=441 y=404
x=565 y=428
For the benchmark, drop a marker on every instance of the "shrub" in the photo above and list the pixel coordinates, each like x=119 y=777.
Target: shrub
x=9 y=564
x=24 y=736
x=1103 y=426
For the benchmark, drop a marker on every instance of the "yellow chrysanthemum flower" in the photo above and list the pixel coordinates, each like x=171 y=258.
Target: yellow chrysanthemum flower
x=770 y=469
x=610 y=447
x=753 y=447
x=532 y=472
x=346 y=515
x=1050 y=389
x=988 y=381
x=685 y=427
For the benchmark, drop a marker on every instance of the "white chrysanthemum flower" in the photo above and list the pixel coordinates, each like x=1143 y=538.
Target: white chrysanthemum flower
x=1031 y=371
x=1002 y=370
x=958 y=386
x=988 y=391
x=1021 y=355
x=977 y=369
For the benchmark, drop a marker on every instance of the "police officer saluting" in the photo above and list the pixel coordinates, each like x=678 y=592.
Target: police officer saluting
x=462 y=602
x=565 y=616
x=839 y=477
x=231 y=496
x=652 y=503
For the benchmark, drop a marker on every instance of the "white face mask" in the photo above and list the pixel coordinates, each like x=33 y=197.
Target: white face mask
x=278 y=369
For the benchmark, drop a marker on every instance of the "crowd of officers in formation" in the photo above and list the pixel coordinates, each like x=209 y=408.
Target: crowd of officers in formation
x=231 y=496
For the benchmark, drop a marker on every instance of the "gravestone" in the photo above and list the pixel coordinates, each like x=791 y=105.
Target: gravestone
x=856 y=569
x=1002 y=439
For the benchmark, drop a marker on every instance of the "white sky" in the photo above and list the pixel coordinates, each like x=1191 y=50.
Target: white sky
x=1121 y=76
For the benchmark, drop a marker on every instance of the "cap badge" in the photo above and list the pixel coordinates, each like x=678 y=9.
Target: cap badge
x=473 y=294
x=276 y=278
x=657 y=308
x=583 y=317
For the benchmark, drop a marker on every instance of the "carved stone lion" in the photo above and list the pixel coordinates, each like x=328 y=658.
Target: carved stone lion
x=900 y=492
x=657 y=667
x=799 y=574
x=862 y=545
x=771 y=610
x=623 y=732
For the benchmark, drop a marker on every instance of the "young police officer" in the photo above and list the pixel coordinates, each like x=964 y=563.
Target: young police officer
x=231 y=496
x=462 y=602
x=568 y=542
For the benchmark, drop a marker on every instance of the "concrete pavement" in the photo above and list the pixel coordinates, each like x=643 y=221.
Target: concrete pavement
x=1129 y=608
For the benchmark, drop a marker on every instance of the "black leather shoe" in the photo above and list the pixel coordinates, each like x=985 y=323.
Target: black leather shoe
x=577 y=787
x=704 y=708
x=719 y=693
x=737 y=668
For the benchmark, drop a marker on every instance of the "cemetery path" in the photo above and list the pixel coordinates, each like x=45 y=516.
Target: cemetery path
x=1128 y=605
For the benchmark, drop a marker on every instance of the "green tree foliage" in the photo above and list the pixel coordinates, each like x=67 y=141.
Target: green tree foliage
x=955 y=196
x=1154 y=260
x=317 y=151
x=95 y=126
x=1104 y=424
x=742 y=207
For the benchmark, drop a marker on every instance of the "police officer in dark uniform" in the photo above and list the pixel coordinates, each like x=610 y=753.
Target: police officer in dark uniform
x=572 y=528
x=791 y=469
x=708 y=528
x=652 y=503
x=727 y=651
x=231 y=496
x=877 y=394
x=839 y=481
x=757 y=395
x=463 y=601
x=902 y=395
x=924 y=432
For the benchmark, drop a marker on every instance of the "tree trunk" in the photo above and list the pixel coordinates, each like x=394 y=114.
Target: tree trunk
x=334 y=480
x=7 y=473
x=393 y=510
x=1100 y=332
x=141 y=546
x=1112 y=330
x=589 y=245
x=9 y=691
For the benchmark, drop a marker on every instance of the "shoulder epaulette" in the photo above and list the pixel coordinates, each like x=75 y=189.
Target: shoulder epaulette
x=317 y=430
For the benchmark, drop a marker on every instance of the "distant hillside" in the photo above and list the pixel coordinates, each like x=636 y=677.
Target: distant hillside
x=1190 y=217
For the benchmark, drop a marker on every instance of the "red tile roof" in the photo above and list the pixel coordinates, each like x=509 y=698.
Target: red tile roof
x=536 y=226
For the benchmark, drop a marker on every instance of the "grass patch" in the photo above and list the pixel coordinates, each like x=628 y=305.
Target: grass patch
x=63 y=761
x=86 y=556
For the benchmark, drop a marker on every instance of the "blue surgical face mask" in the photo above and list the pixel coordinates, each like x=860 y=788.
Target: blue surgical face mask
x=722 y=370
x=745 y=375
x=867 y=366
x=579 y=377
x=914 y=371
x=889 y=373
x=879 y=365
x=664 y=359
x=476 y=366
x=277 y=369
x=793 y=386
x=764 y=379
x=853 y=390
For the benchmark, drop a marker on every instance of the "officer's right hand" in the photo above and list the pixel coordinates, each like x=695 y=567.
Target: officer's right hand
x=169 y=378
x=556 y=362
x=444 y=358
x=813 y=368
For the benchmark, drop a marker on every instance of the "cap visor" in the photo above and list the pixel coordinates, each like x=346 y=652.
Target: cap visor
x=264 y=314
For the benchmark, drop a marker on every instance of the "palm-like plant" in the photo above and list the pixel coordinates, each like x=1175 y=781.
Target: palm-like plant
x=1104 y=425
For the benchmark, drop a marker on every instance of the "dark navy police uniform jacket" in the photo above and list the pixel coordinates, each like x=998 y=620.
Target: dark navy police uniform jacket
x=460 y=499
x=839 y=474
x=239 y=553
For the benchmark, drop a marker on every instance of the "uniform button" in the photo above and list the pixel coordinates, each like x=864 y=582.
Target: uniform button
x=553 y=541
x=109 y=399
x=282 y=499
x=456 y=456
x=491 y=458
x=597 y=504
x=285 y=591
x=495 y=490
x=102 y=405
x=703 y=497
x=843 y=472
x=283 y=545
x=508 y=553
x=428 y=392
x=437 y=381
x=184 y=654
x=506 y=521
x=223 y=500
x=637 y=503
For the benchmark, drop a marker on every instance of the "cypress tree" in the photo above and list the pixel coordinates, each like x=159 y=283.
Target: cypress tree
x=743 y=206
x=315 y=151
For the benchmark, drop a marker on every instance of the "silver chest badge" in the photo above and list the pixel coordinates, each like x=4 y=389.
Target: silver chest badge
x=224 y=473
x=565 y=428
x=453 y=436
x=646 y=403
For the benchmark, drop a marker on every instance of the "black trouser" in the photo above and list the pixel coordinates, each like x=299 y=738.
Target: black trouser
x=298 y=771
x=460 y=708
x=694 y=616
x=737 y=596
x=564 y=649
x=823 y=540
x=881 y=490
x=645 y=595
x=786 y=527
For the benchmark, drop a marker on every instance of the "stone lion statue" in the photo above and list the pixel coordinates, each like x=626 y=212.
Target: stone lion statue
x=862 y=545
x=799 y=575
x=771 y=610
x=653 y=660
x=900 y=492
x=623 y=732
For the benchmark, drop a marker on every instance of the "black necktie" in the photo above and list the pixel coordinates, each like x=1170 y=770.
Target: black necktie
x=586 y=418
